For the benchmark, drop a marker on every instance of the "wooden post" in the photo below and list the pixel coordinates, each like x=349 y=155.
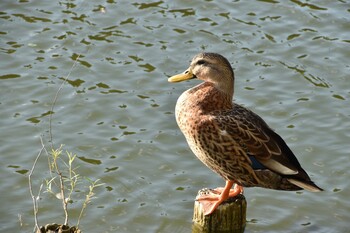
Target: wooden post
x=230 y=216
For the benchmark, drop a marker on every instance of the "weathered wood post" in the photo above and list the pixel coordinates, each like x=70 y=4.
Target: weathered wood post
x=230 y=216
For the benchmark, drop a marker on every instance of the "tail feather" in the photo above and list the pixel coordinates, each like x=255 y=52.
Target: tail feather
x=310 y=186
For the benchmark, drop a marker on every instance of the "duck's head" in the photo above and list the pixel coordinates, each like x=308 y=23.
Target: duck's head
x=209 y=67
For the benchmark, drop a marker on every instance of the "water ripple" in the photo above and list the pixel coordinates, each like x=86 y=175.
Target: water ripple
x=116 y=110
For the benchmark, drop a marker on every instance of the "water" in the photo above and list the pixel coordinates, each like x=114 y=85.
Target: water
x=116 y=112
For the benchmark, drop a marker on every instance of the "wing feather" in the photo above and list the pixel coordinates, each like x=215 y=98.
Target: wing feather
x=258 y=139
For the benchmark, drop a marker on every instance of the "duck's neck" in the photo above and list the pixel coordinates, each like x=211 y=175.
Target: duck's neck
x=205 y=98
x=225 y=88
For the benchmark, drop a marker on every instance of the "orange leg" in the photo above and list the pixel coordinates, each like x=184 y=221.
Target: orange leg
x=212 y=200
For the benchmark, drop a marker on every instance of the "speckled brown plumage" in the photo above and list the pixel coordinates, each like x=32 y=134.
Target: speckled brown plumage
x=230 y=139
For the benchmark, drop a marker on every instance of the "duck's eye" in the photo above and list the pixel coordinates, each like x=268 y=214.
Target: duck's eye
x=200 y=62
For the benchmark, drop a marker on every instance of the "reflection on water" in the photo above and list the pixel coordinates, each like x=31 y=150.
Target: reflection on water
x=116 y=110
x=317 y=81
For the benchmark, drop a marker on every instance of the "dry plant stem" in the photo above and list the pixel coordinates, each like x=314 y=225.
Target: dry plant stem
x=34 y=198
x=88 y=198
x=64 y=201
x=55 y=100
x=55 y=164
x=51 y=137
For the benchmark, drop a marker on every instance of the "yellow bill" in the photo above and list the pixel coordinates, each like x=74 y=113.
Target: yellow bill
x=181 y=77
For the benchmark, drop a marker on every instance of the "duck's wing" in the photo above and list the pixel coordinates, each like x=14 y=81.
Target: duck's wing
x=264 y=147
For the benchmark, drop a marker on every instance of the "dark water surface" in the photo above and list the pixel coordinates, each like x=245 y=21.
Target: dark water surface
x=116 y=111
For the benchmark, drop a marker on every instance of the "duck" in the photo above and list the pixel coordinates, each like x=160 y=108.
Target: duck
x=230 y=139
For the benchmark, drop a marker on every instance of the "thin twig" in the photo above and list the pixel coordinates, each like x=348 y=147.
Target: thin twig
x=56 y=155
x=62 y=189
x=64 y=201
x=88 y=197
x=55 y=100
x=35 y=202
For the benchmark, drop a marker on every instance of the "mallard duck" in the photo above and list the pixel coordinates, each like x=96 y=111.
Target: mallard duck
x=230 y=139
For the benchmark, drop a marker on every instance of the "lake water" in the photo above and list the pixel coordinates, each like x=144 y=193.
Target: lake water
x=116 y=111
